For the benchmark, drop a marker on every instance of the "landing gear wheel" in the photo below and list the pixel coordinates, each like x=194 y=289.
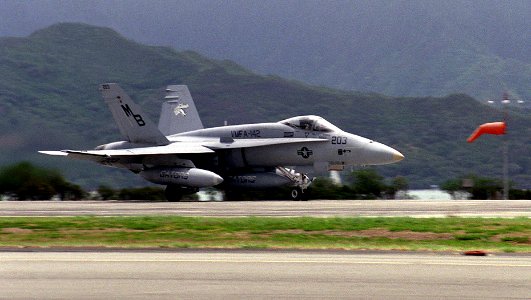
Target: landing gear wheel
x=297 y=194
x=173 y=194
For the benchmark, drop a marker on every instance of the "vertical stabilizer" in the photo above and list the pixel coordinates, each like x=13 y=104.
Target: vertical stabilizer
x=131 y=120
x=178 y=112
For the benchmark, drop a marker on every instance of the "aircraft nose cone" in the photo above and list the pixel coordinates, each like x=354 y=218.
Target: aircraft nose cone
x=380 y=154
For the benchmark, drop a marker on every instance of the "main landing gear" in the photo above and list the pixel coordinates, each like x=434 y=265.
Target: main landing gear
x=175 y=193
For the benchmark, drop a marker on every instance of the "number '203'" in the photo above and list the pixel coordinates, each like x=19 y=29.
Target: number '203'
x=339 y=140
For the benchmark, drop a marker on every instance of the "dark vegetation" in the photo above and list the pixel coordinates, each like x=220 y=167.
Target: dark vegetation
x=368 y=184
x=24 y=181
x=360 y=184
x=480 y=187
x=49 y=100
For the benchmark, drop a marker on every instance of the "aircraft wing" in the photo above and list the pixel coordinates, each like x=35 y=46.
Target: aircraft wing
x=176 y=148
x=184 y=147
x=248 y=143
x=96 y=155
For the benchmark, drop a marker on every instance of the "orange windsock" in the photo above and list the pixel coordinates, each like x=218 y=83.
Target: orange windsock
x=488 y=128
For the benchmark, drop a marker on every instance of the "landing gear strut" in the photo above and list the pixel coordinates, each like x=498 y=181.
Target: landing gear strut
x=300 y=183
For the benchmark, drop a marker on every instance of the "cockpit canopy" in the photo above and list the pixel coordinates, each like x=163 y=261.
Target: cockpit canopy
x=310 y=123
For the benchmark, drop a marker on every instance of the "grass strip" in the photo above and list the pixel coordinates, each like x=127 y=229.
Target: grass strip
x=400 y=233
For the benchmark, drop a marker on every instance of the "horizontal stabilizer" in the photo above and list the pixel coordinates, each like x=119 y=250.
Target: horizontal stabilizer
x=57 y=153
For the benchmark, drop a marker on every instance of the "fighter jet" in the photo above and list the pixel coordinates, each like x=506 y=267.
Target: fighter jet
x=183 y=155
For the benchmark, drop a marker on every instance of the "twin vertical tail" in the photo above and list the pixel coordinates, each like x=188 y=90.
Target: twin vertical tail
x=133 y=123
x=179 y=113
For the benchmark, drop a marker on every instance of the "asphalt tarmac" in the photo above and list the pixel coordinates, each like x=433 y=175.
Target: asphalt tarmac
x=317 y=208
x=207 y=274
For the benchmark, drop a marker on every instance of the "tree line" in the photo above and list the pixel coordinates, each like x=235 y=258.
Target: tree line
x=477 y=187
x=25 y=181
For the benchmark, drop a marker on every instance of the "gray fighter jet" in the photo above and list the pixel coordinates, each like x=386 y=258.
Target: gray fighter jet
x=184 y=156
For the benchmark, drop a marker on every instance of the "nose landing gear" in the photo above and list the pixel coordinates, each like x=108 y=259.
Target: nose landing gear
x=300 y=182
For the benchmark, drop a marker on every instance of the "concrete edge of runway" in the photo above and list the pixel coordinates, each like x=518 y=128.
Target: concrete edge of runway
x=240 y=250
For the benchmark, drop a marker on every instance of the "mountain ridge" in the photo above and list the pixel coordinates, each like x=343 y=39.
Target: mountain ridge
x=51 y=85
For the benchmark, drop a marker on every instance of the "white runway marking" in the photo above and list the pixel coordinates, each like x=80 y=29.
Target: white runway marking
x=320 y=208
x=244 y=257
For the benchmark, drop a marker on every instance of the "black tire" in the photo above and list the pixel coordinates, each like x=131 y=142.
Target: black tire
x=296 y=194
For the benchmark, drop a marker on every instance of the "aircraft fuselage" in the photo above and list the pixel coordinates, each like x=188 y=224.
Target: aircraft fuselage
x=183 y=155
x=335 y=149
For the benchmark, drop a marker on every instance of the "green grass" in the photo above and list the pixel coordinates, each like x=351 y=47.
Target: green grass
x=434 y=234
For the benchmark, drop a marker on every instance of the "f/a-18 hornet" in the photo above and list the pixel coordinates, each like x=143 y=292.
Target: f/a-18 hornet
x=184 y=156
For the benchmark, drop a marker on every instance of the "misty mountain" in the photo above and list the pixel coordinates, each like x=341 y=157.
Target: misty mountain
x=49 y=100
x=401 y=48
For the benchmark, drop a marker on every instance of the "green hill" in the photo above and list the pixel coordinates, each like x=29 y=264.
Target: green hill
x=49 y=100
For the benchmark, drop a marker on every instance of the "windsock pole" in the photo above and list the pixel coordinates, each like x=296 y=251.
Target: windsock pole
x=505 y=168
x=497 y=128
x=505 y=148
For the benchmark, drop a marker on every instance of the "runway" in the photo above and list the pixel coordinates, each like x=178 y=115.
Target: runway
x=317 y=208
x=208 y=274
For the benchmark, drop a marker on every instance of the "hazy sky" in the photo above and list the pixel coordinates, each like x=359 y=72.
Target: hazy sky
x=322 y=42
x=213 y=26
